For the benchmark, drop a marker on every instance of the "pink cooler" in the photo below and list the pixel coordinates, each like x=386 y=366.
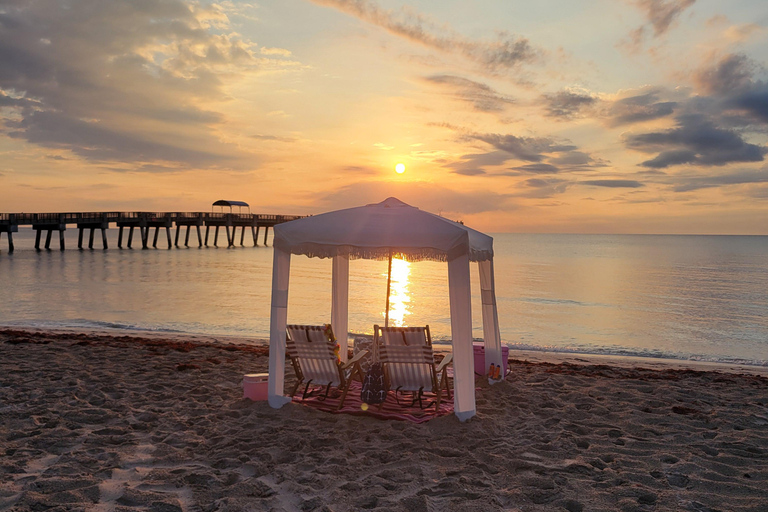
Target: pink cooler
x=480 y=367
x=255 y=386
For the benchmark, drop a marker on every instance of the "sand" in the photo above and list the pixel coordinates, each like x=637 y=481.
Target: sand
x=100 y=423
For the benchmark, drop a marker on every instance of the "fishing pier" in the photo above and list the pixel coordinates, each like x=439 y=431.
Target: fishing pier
x=144 y=221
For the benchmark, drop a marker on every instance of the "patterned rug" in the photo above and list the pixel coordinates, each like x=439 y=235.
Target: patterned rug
x=389 y=411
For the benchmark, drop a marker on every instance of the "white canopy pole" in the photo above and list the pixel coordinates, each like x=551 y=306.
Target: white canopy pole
x=461 y=333
x=491 y=336
x=389 y=288
x=340 y=303
x=281 y=269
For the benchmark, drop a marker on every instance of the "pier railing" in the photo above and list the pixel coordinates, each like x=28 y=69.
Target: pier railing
x=49 y=222
x=21 y=219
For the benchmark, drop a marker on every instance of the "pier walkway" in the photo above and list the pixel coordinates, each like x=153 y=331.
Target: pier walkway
x=144 y=221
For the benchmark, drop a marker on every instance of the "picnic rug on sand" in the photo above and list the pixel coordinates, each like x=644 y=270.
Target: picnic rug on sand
x=390 y=410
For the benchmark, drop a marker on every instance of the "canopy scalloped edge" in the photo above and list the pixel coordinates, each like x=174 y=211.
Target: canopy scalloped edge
x=313 y=250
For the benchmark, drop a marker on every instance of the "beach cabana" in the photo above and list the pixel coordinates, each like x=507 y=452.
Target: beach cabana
x=379 y=231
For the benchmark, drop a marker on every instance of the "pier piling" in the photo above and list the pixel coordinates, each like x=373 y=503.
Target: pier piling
x=144 y=237
x=50 y=222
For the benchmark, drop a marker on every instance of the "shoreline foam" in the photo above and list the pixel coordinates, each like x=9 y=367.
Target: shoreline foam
x=546 y=356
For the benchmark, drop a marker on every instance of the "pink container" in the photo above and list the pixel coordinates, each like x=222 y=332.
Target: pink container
x=255 y=386
x=480 y=367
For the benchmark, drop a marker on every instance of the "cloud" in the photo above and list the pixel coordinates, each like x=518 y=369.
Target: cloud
x=613 y=183
x=541 y=188
x=430 y=197
x=537 y=169
x=94 y=141
x=273 y=137
x=504 y=53
x=567 y=104
x=482 y=97
x=275 y=51
x=695 y=140
x=576 y=159
x=122 y=80
x=661 y=14
x=638 y=108
x=690 y=183
x=547 y=155
x=529 y=149
x=472 y=164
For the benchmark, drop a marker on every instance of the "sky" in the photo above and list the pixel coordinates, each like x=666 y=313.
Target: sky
x=615 y=116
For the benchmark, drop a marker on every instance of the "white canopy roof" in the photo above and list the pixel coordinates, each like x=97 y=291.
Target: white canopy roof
x=375 y=231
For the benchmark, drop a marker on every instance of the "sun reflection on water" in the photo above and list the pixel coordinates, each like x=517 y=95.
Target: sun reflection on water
x=399 y=298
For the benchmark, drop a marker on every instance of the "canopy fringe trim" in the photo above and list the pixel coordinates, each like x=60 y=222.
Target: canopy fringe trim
x=313 y=250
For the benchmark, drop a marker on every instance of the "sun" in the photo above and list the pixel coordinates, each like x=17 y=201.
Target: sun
x=400 y=168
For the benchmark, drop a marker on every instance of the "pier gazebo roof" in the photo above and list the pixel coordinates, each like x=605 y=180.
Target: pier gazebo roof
x=227 y=203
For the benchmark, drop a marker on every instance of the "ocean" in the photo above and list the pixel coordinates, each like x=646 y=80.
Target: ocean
x=662 y=296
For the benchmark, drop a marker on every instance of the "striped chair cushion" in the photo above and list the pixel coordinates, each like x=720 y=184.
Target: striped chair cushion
x=409 y=367
x=315 y=353
x=410 y=336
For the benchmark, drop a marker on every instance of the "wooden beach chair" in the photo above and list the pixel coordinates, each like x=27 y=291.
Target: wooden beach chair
x=409 y=362
x=313 y=353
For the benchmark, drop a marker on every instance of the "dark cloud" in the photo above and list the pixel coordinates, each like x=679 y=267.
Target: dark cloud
x=739 y=99
x=566 y=104
x=671 y=157
x=613 y=183
x=689 y=183
x=482 y=97
x=695 y=140
x=731 y=73
x=638 y=108
x=754 y=101
x=504 y=53
x=539 y=168
x=121 y=80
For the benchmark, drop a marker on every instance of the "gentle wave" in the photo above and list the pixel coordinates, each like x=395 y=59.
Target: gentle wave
x=91 y=325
